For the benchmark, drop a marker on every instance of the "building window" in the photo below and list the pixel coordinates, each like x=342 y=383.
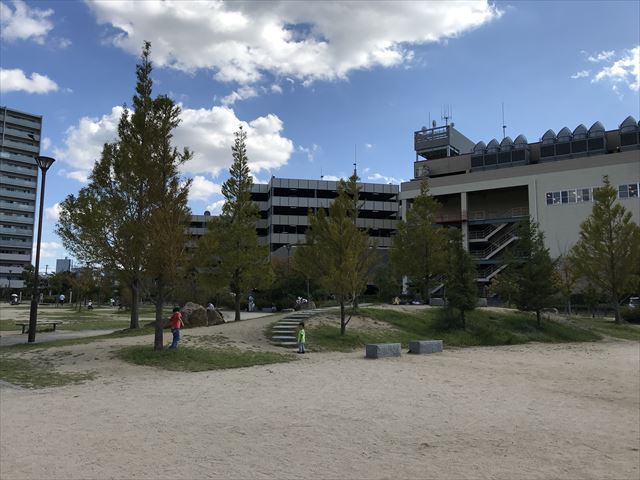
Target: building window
x=574 y=195
x=565 y=196
x=629 y=190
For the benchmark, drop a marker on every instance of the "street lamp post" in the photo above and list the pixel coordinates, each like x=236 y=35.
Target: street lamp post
x=44 y=163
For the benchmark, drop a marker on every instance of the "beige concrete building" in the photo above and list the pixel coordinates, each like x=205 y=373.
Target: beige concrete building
x=488 y=189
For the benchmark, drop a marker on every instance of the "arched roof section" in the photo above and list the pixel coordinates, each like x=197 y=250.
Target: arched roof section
x=629 y=125
x=564 y=135
x=549 y=136
x=596 y=130
x=480 y=147
x=521 y=142
x=506 y=144
x=580 y=132
x=493 y=146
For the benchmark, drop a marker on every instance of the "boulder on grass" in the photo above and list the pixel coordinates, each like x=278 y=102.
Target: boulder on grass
x=310 y=305
x=214 y=317
x=194 y=315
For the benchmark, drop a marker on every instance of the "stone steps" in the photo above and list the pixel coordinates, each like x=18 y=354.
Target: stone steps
x=283 y=333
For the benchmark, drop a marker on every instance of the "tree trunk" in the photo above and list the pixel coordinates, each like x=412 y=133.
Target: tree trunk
x=343 y=326
x=464 y=322
x=135 y=288
x=538 y=318
x=158 y=342
x=237 y=306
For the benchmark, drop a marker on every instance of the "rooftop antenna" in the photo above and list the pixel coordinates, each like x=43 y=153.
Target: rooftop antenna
x=504 y=127
x=447 y=114
x=321 y=175
x=355 y=160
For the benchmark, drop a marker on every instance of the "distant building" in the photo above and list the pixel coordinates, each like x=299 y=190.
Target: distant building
x=63 y=265
x=19 y=145
x=284 y=206
x=486 y=189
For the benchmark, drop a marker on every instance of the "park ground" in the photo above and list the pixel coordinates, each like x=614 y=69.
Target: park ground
x=538 y=410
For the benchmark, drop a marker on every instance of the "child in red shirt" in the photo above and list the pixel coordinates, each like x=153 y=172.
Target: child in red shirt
x=176 y=324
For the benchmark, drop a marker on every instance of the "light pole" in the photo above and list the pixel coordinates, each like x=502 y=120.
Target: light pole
x=44 y=163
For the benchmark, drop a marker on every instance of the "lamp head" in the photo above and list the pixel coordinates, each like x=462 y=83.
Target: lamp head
x=44 y=162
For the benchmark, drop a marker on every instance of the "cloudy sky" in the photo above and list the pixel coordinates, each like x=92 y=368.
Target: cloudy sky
x=315 y=84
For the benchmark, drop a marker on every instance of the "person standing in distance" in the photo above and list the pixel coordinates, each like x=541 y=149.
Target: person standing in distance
x=176 y=324
x=301 y=338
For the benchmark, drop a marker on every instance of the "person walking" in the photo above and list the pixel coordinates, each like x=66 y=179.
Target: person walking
x=301 y=338
x=176 y=324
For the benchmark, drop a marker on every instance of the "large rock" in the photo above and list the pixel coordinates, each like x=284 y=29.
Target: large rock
x=305 y=306
x=194 y=315
x=214 y=317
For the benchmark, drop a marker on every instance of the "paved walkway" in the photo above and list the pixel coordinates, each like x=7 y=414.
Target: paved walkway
x=15 y=338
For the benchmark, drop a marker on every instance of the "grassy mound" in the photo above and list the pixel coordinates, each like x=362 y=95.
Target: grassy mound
x=483 y=328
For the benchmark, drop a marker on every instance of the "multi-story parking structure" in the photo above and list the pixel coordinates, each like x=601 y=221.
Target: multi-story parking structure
x=19 y=145
x=285 y=203
x=486 y=189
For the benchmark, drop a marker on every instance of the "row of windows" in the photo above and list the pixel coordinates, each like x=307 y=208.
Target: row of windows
x=574 y=195
x=580 y=195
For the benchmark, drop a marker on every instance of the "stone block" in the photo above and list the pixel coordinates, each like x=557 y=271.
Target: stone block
x=425 y=346
x=437 y=302
x=381 y=350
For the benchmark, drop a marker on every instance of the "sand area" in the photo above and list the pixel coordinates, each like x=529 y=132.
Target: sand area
x=537 y=411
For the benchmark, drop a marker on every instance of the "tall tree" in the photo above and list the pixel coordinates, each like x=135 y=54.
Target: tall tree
x=109 y=222
x=337 y=250
x=532 y=271
x=607 y=253
x=170 y=213
x=418 y=244
x=461 y=287
x=232 y=253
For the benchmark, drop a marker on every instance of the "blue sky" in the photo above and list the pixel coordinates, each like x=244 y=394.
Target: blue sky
x=312 y=82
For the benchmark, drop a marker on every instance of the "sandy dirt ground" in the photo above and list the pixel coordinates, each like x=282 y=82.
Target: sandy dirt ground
x=538 y=411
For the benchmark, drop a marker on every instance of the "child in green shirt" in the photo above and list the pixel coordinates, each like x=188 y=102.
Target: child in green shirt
x=301 y=338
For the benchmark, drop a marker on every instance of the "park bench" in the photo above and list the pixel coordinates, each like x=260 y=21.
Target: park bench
x=25 y=324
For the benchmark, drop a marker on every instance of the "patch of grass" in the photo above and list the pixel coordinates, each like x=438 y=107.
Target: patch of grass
x=483 y=328
x=79 y=341
x=32 y=374
x=199 y=359
x=606 y=326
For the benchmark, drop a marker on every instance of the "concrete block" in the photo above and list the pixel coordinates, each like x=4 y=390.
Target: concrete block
x=381 y=350
x=437 y=302
x=425 y=346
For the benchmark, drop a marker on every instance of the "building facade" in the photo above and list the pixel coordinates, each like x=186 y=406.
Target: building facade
x=285 y=203
x=488 y=189
x=19 y=145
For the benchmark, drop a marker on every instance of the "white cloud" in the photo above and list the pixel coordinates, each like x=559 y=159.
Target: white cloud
x=331 y=178
x=242 y=93
x=49 y=250
x=581 y=74
x=14 y=80
x=275 y=88
x=624 y=70
x=310 y=152
x=305 y=41
x=601 y=56
x=202 y=189
x=378 y=177
x=216 y=207
x=84 y=141
x=52 y=212
x=46 y=143
x=368 y=146
x=23 y=22
x=208 y=132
